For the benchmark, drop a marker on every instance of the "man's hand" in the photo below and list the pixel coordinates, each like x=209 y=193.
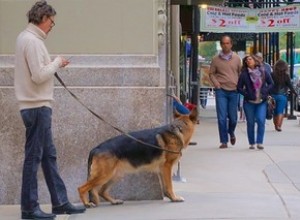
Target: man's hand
x=64 y=62
x=218 y=86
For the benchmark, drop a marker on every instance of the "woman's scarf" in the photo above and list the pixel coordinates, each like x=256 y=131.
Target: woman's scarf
x=256 y=78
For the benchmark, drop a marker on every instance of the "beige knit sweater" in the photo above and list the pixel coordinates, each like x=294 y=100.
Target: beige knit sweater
x=34 y=70
x=225 y=73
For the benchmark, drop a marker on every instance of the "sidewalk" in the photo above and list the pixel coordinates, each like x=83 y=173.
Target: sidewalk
x=234 y=183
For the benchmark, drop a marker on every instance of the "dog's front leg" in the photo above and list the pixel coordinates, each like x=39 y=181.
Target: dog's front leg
x=166 y=174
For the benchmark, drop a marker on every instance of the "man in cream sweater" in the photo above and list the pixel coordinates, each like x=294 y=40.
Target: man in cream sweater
x=34 y=85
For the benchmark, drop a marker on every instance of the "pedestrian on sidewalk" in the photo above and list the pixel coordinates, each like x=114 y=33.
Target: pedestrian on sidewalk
x=224 y=73
x=282 y=83
x=34 y=85
x=254 y=84
x=267 y=67
x=203 y=97
x=242 y=117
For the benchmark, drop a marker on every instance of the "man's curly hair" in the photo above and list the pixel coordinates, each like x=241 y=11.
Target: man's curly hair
x=38 y=11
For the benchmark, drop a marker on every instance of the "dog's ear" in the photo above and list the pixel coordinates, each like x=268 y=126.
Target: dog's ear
x=160 y=141
x=194 y=115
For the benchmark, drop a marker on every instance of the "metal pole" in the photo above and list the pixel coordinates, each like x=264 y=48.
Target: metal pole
x=194 y=57
x=290 y=36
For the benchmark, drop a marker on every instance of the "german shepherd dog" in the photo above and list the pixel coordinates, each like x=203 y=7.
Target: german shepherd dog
x=122 y=154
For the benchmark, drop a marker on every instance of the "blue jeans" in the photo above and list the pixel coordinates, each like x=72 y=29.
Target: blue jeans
x=281 y=101
x=39 y=149
x=255 y=113
x=226 y=106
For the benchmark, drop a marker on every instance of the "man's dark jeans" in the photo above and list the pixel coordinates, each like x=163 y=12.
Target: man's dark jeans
x=226 y=107
x=39 y=149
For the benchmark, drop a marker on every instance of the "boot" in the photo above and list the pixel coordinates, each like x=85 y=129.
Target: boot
x=279 y=122
x=275 y=121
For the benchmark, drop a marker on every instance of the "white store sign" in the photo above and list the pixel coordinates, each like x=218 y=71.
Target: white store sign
x=245 y=20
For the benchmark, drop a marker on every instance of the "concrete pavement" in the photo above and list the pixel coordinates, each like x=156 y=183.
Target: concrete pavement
x=234 y=183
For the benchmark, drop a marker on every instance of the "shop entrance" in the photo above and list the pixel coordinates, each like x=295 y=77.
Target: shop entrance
x=196 y=50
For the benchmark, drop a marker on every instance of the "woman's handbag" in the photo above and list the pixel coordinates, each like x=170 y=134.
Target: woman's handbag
x=271 y=104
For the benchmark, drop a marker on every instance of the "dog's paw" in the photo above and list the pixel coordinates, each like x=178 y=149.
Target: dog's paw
x=90 y=205
x=173 y=197
x=178 y=199
x=117 y=202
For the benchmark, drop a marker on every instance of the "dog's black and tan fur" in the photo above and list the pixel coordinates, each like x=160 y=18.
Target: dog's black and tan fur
x=119 y=155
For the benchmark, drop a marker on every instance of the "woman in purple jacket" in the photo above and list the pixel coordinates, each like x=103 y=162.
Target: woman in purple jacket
x=254 y=84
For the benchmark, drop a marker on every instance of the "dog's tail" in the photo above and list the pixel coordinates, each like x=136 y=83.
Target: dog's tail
x=90 y=159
